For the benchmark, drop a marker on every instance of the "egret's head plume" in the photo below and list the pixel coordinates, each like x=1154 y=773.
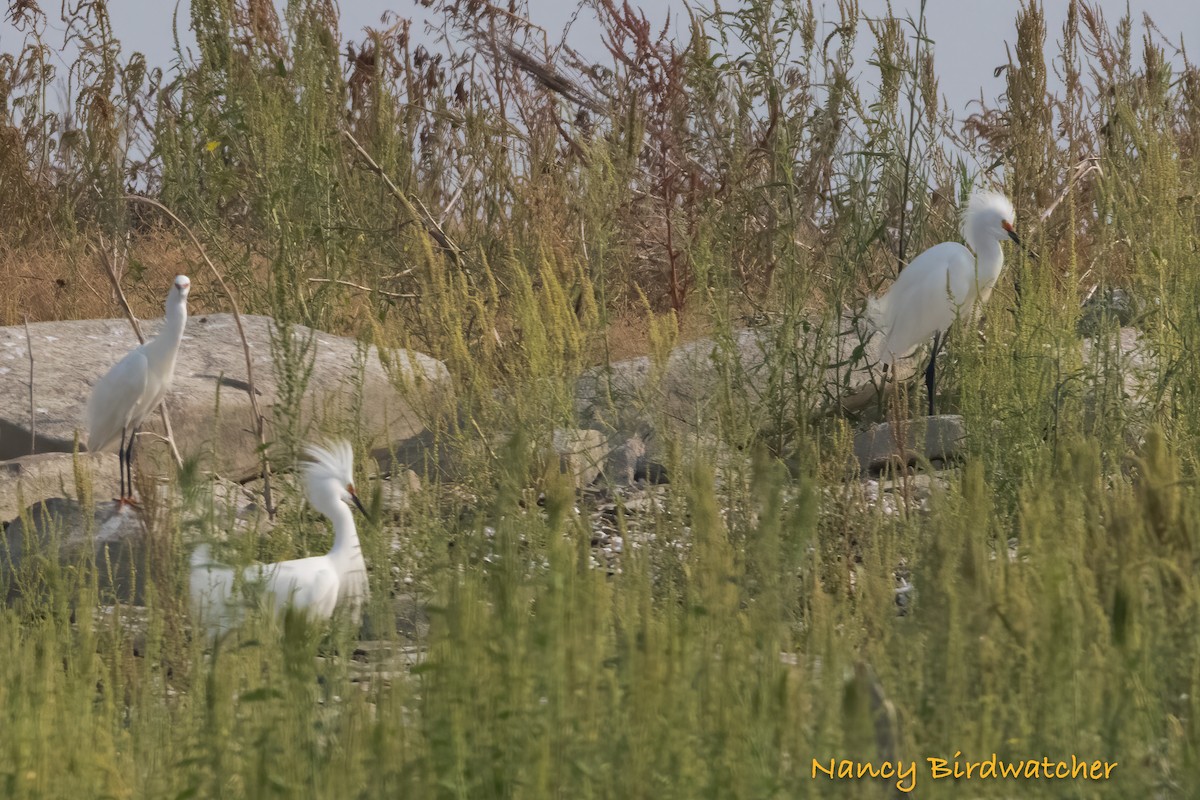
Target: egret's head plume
x=989 y=215
x=331 y=471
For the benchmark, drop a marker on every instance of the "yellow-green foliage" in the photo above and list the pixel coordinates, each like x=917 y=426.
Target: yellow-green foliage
x=499 y=215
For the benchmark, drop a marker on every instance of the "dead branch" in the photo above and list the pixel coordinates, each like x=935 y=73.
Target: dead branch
x=396 y=295
x=32 y=414
x=410 y=205
x=549 y=78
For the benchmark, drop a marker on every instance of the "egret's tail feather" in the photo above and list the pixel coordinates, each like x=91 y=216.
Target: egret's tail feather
x=210 y=585
x=205 y=571
x=882 y=321
x=877 y=312
x=202 y=557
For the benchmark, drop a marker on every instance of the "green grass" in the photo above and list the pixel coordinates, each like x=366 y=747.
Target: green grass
x=503 y=228
x=718 y=669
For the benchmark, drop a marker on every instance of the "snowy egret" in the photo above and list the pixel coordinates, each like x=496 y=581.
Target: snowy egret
x=316 y=585
x=943 y=283
x=133 y=388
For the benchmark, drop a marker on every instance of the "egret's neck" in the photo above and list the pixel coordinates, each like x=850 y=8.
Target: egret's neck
x=166 y=344
x=175 y=320
x=345 y=534
x=989 y=258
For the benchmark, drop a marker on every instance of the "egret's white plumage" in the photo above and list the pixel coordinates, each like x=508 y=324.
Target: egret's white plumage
x=945 y=282
x=127 y=394
x=317 y=585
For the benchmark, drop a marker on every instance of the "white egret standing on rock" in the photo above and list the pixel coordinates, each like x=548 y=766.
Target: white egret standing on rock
x=943 y=283
x=133 y=388
x=316 y=585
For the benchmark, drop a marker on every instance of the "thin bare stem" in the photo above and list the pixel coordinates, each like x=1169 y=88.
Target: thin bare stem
x=901 y=256
x=1082 y=170
x=450 y=206
x=397 y=295
x=413 y=206
x=111 y=269
x=32 y=414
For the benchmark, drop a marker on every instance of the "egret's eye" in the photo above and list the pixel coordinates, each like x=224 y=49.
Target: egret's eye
x=1006 y=225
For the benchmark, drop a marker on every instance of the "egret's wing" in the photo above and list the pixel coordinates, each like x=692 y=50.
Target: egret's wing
x=354 y=590
x=210 y=587
x=305 y=584
x=323 y=593
x=925 y=297
x=962 y=282
x=114 y=400
x=153 y=393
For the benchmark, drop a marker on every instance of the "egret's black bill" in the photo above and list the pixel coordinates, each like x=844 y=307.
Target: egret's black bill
x=358 y=503
x=1017 y=241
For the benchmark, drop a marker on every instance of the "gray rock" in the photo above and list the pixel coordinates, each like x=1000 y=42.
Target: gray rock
x=31 y=479
x=426 y=453
x=56 y=535
x=209 y=405
x=1113 y=306
x=635 y=460
x=1123 y=384
x=1128 y=355
x=919 y=487
x=935 y=439
x=626 y=460
x=838 y=361
x=398 y=490
x=412 y=618
x=580 y=454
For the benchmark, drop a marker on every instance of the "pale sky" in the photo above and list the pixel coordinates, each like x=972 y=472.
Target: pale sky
x=969 y=35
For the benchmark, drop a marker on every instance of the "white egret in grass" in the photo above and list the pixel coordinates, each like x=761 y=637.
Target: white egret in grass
x=314 y=586
x=944 y=283
x=133 y=388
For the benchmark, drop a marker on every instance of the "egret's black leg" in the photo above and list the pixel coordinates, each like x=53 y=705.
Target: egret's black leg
x=931 y=370
x=121 y=466
x=129 y=461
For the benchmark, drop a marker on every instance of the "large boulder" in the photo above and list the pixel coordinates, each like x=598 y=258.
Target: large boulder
x=209 y=405
x=44 y=546
x=837 y=361
x=28 y=480
x=938 y=440
x=1128 y=359
x=1123 y=382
